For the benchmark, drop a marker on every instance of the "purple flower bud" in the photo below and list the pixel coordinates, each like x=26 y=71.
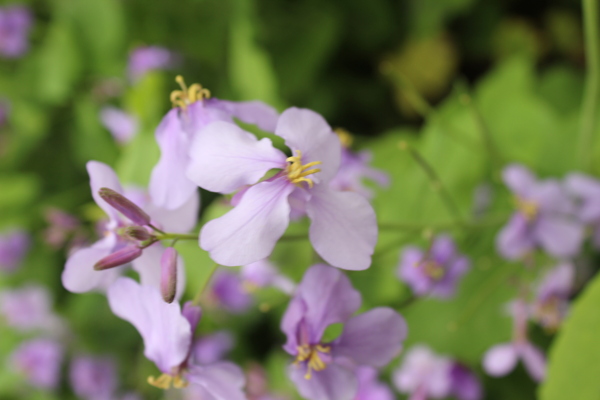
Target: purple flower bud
x=124 y=206
x=138 y=233
x=168 y=274
x=119 y=257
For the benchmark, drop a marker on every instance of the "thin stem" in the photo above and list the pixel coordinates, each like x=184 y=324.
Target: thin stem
x=591 y=97
x=198 y=296
x=299 y=236
x=156 y=229
x=178 y=236
x=436 y=183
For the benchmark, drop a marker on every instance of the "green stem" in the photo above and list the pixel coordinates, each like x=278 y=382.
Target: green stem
x=198 y=296
x=591 y=97
x=178 y=236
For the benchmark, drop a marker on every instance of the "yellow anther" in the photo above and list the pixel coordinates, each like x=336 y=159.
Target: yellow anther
x=186 y=96
x=297 y=172
x=528 y=208
x=311 y=354
x=433 y=270
x=165 y=381
x=345 y=137
x=179 y=382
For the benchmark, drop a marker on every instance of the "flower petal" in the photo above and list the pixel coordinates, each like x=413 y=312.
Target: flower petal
x=178 y=220
x=307 y=131
x=343 y=228
x=166 y=332
x=169 y=186
x=515 y=239
x=222 y=380
x=500 y=359
x=249 y=232
x=559 y=236
x=333 y=383
x=149 y=268
x=224 y=158
x=518 y=178
x=534 y=361
x=373 y=338
x=79 y=275
x=250 y=112
x=101 y=175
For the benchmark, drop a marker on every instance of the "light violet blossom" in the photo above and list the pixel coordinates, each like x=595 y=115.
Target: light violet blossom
x=257 y=386
x=225 y=158
x=121 y=125
x=212 y=348
x=93 y=378
x=28 y=309
x=15 y=22
x=63 y=228
x=544 y=217
x=227 y=290
x=168 y=331
x=551 y=302
x=144 y=59
x=464 y=384
x=79 y=274
x=327 y=371
x=369 y=387
x=435 y=272
x=194 y=109
x=586 y=191
x=39 y=361
x=424 y=374
x=13 y=247
x=262 y=274
x=502 y=358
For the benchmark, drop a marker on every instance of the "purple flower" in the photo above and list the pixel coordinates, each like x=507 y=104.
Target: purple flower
x=225 y=158
x=79 y=274
x=424 y=374
x=169 y=185
x=13 y=247
x=121 y=125
x=15 y=22
x=551 y=303
x=435 y=272
x=327 y=371
x=149 y=58
x=39 y=360
x=93 y=378
x=502 y=358
x=369 y=388
x=61 y=227
x=262 y=274
x=464 y=384
x=167 y=331
x=543 y=217
x=212 y=348
x=227 y=290
x=28 y=308
x=586 y=191
x=257 y=384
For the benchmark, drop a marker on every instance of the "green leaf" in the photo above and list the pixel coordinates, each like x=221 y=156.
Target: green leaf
x=575 y=352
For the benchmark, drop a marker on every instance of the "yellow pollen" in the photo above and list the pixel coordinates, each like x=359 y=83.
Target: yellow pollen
x=434 y=270
x=297 y=172
x=528 y=208
x=345 y=137
x=311 y=354
x=186 y=96
x=165 y=381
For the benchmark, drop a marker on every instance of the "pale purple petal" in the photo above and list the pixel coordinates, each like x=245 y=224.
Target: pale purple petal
x=290 y=323
x=369 y=388
x=586 y=189
x=333 y=383
x=14 y=245
x=410 y=272
x=307 y=131
x=212 y=348
x=179 y=220
x=500 y=359
x=551 y=197
x=228 y=290
x=423 y=372
x=148 y=58
x=373 y=338
x=39 y=360
x=447 y=285
x=169 y=186
x=559 y=236
x=534 y=361
x=28 y=308
x=443 y=249
x=165 y=331
x=221 y=381
x=249 y=112
x=121 y=125
x=248 y=233
x=343 y=228
x=515 y=239
x=79 y=275
x=518 y=178
x=15 y=23
x=465 y=385
x=149 y=268
x=557 y=282
x=93 y=377
x=224 y=158
x=101 y=175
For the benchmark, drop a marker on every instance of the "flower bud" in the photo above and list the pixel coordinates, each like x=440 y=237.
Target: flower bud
x=120 y=257
x=168 y=274
x=138 y=233
x=124 y=206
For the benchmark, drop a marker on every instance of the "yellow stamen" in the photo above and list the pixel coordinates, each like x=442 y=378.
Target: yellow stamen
x=311 y=354
x=345 y=137
x=528 y=208
x=297 y=172
x=186 y=96
x=165 y=381
x=434 y=270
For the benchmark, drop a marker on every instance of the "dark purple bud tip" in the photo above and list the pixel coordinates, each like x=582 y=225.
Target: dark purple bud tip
x=120 y=257
x=124 y=206
x=138 y=233
x=168 y=274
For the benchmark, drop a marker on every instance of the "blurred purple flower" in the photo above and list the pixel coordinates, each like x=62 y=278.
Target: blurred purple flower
x=62 y=228
x=502 y=358
x=39 y=360
x=13 y=247
x=586 y=191
x=225 y=158
x=150 y=58
x=227 y=291
x=262 y=273
x=122 y=126
x=15 y=22
x=212 y=348
x=544 y=217
x=327 y=371
x=369 y=387
x=169 y=185
x=464 y=384
x=29 y=308
x=551 y=303
x=257 y=385
x=167 y=331
x=435 y=272
x=424 y=374
x=93 y=378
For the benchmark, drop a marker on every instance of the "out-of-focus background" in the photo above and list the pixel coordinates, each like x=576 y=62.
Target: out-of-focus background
x=381 y=69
